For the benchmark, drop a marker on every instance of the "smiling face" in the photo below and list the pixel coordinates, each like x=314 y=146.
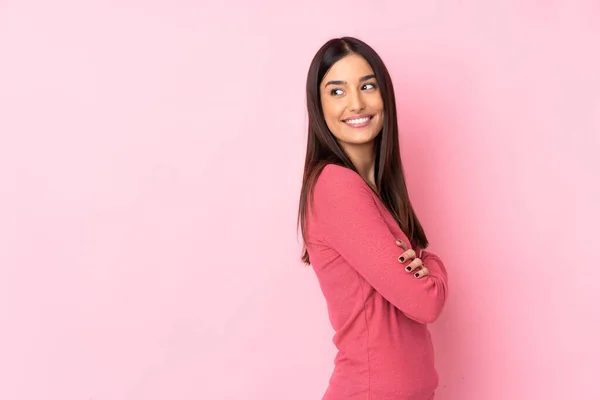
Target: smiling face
x=351 y=101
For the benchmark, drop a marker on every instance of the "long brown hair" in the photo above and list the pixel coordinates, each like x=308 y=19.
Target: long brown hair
x=322 y=147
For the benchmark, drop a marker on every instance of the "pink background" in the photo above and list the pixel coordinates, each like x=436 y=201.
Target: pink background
x=150 y=164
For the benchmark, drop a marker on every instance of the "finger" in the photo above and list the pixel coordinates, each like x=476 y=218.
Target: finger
x=419 y=252
x=400 y=243
x=408 y=254
x=421 y=273
x=414 y=265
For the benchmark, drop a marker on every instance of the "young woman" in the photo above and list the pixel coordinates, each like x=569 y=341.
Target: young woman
x=361 y=234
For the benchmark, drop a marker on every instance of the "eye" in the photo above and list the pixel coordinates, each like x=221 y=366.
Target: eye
x=372 y=86
x=333 y=92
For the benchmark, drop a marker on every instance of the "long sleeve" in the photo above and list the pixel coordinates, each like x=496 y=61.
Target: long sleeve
x=348 y=220
x=436 y=267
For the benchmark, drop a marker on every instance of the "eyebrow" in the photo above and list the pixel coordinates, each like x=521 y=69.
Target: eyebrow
x=364 y=78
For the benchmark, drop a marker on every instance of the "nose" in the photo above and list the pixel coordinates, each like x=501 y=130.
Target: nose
x=355 y=101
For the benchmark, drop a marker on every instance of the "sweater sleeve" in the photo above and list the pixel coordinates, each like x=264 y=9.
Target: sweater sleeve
x=347 y=218
x=436 y=267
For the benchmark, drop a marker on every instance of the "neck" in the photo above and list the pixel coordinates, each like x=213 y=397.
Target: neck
x=363 y=158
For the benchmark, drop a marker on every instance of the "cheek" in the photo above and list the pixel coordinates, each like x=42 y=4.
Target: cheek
x=379 y=107
x=377 y=103
x=380 y=122
x=332 y=113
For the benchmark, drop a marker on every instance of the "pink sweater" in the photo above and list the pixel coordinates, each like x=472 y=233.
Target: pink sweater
x=378 y=310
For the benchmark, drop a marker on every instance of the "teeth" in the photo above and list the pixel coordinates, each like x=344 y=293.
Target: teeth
x=358 y=121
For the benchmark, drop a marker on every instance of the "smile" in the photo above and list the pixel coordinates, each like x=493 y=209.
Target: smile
x=359 y=122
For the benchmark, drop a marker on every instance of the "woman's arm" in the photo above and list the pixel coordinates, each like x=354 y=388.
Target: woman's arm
x=345 y=213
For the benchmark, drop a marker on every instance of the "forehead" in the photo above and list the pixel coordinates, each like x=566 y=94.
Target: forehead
x=350 y=68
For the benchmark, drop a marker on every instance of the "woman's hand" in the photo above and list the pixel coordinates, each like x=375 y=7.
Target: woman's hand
x=415 y=266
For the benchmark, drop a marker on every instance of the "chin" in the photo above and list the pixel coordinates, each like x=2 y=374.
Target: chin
x=359 y=141
x=362 y=137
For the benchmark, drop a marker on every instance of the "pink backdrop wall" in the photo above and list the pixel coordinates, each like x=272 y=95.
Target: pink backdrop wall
x=150 y=162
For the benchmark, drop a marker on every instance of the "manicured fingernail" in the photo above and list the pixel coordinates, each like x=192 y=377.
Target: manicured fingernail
x=401 y=259
x=408 y=269
x=417 y=275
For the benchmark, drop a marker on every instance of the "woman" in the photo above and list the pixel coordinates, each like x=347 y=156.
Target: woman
x=361 y=234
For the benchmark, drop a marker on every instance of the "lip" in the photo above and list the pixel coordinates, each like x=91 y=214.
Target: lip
x=362 y=125
x=358 y=117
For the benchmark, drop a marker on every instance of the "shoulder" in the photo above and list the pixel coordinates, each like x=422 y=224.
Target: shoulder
x=337 y=175
x=340 y=194
x=338 y=182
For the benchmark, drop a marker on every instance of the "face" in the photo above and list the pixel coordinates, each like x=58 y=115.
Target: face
x=351 y=101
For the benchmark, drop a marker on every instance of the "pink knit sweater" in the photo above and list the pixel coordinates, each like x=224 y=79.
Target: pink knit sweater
x=378 y=310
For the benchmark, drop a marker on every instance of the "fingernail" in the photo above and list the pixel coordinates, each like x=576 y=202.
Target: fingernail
x=408 y=269
x=417 y=275
x=401 y=259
